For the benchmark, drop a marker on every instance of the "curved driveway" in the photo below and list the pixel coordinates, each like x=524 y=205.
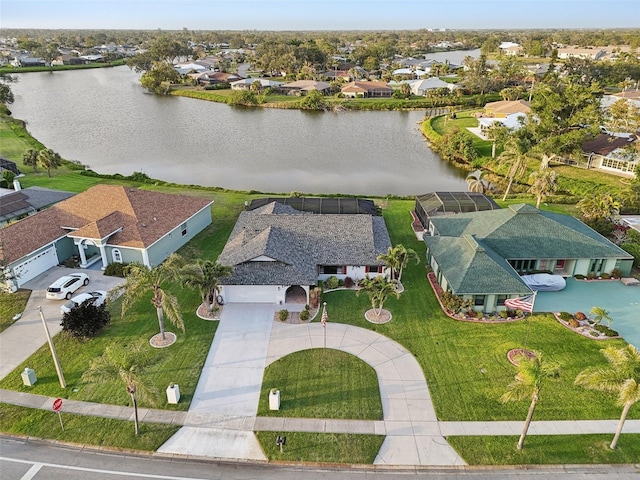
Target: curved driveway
x=248 y=340
x=412 y=433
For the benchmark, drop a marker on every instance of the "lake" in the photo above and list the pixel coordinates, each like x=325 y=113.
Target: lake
x=103 y=118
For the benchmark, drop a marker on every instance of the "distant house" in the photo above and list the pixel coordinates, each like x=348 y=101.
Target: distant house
x=421 y=87
x=214 y=78
x=26 y=61
x=481 y=255
x=245 y=83
x=612 y=153
x=513 y=50
x=302 y=87
x=105 y=224
x=592 y=53
x=367 y=90
x=8 y=165
x=28 y=201
x=278 y=252
x=504 y=108
x=632 y=96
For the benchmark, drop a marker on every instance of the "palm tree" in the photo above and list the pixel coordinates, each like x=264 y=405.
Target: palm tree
x=515 y=155
x=621 y=377
x=397 y=258
x=127 y=364
x=142 y=279
x=49 y=159
x=475 y=182
x=531 y=376
x=30 y=158
x=206 y=278
x=601 y=206
x=600 y=314
x=379 y=289
x=544 y=183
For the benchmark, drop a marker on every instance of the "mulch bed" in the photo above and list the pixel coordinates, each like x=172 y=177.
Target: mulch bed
x=206 y=314
x=585 y=329
x=516 y=354
x=157 y=341
x=384 y=317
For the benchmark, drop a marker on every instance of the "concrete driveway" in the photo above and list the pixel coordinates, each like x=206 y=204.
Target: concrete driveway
x=24 y=337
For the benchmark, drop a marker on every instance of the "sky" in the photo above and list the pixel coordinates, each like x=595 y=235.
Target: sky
x=318 y=14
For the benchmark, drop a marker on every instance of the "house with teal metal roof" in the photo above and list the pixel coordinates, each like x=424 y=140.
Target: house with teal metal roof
x=481 y=255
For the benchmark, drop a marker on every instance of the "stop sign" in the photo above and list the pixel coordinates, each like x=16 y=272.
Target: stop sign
x=57 y=404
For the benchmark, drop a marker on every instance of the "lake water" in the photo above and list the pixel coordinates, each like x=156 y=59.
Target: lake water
x=103 y=118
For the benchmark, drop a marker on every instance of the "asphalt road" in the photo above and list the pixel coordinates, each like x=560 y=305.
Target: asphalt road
x=22 y=459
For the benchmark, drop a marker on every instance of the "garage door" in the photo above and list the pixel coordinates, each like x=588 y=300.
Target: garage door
x=36 y=265
x=249 y=294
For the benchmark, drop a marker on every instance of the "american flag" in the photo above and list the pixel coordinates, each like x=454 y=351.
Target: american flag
x=323 y=319
x=522 y=303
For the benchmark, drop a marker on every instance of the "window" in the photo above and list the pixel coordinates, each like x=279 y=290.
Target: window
x=523 y=266
x=332 y=270
x=500 y=300
x=116 y=255
x=183 y=228
x=478 y=300
x=373 y=269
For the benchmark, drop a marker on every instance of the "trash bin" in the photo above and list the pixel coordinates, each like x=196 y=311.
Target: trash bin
x=274 y=399
x=173 y=393
x=29 y=377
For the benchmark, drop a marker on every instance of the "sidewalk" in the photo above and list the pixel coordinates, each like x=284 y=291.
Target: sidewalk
x=280 y=424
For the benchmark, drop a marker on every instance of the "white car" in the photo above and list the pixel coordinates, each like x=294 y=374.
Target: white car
x=65 y=286
x=96 y=298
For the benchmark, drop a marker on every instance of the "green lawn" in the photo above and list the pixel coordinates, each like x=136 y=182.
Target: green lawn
x=322 y=384
x=10 y=305
x=321 y=447
x=547 y=449
x=83 y=430
x=179 y=363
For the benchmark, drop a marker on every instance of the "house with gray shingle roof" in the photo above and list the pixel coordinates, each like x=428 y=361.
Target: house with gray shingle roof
x=277 y=251
x=22 y=203
x=106 y=224
x=481 y=255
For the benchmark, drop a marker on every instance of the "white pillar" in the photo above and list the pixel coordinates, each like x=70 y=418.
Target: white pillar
x=103 y=254
x=83 y=257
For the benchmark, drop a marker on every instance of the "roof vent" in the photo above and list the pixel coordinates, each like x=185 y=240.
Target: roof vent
x=144 y=224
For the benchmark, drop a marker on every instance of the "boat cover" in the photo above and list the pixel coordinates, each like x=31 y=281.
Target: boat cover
x=544 y=282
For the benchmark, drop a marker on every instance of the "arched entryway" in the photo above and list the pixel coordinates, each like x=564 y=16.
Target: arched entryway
x=295 y=294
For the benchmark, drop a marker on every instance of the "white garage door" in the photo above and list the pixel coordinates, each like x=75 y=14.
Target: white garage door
x=36 y=265
x=249 y=294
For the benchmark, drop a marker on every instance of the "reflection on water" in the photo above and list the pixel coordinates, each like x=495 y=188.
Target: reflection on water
x=103 y=118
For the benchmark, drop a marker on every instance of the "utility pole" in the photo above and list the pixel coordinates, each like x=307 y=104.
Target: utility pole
x=56 y=362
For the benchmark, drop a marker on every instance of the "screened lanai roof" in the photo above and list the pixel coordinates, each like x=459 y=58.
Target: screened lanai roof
x=442 y=203
x=321 y=204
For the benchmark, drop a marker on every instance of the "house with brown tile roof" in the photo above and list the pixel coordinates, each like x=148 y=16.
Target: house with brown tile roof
x=367 y=90
x=504 y=108
x=106 y=224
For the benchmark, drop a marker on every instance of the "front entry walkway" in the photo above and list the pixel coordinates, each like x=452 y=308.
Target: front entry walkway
x=412 y=432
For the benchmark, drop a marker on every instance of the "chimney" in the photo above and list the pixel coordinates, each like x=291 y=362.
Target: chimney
x=16 y=185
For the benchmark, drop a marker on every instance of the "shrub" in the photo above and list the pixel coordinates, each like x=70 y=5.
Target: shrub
x=605 y=330
x=304 y=314
x=116 y=270
x=573 y=323
x=283 y=315
x=340 y=283
x=504 y=314
x=579 y=316
x=591 y=276
x=566 y=316
x=331 y=283
x=616 y=273
x=452 y=302
x=314 y=297
x=605 y=276
x=85 y=320
x=348 y=282
x=579 y=276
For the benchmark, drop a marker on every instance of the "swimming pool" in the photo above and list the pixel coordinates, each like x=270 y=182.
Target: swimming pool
x=622 y=302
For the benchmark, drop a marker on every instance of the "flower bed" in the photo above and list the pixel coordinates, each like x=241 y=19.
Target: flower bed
x=580 y=324
x=464 y=317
